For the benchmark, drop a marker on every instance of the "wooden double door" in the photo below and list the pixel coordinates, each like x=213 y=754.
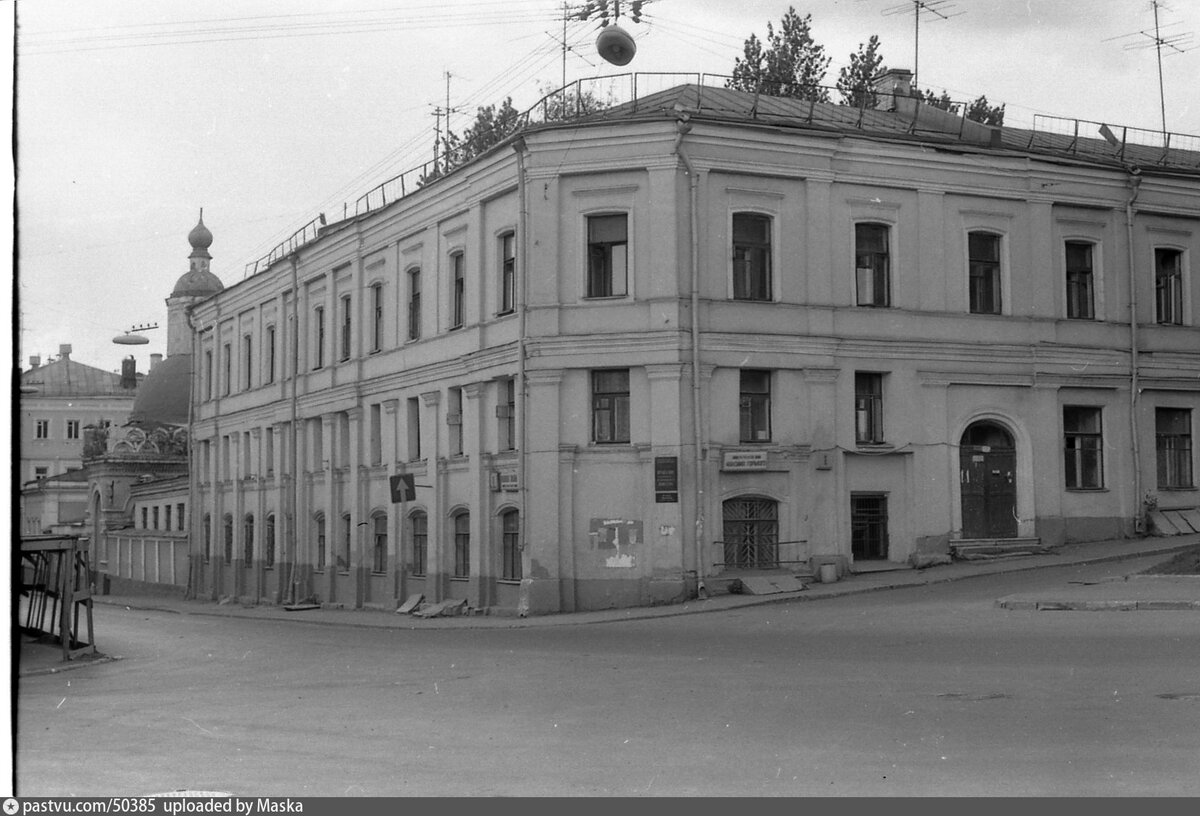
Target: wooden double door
x=988 y=480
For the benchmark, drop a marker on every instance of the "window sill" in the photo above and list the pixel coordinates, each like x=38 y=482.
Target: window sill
x=605 y=297
x=460 y=578
x=509 y=581
x=752 y=300
x=1086 y=489
x=875 y=446
x=1181 y=489
x=506 y=313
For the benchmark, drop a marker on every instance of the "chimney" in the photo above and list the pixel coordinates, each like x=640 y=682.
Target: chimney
x=891 y=85
x=35 y=361
x=129 y=372
x=64 y=351
x=155 y=359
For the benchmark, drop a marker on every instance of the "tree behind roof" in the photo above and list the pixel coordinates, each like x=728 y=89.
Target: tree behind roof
x=791 y=64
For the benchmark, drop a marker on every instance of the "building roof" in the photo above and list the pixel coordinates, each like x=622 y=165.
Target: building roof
x=162 y=398
x=68 y=378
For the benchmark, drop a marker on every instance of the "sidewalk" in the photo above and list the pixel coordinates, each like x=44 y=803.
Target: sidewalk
x=1118 y=593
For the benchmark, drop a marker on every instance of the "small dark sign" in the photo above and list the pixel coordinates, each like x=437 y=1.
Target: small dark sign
x=666 y=479
x=403 y=488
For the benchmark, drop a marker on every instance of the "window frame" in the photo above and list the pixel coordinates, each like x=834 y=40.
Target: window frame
x=344 y=557
x=74 y=428
x=510 y=545
x=756 y=284
x=754 y=406
x=458 y=289
x=507 y=251
x=269 y=542
x=270 y=352
x=320 y=530
x=1174 y=451
x=418 y=526
x=414 y=303
x=1083 y=447
x=379 y=543
x=868 y=408
x=461 y=531
x=347 y=329
x=41 y=429
x=1169 y=298
x=1080 y=282
x=600 y=282
x=609 y=408
x=319 y=337
x=879 y=269
x=248 y=539
x=979 y=269
x=227 y=364
x=377 y=316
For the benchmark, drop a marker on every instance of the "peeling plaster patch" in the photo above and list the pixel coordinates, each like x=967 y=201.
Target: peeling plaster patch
x=620 y=561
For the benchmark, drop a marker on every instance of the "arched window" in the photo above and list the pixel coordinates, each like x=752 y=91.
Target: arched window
x=379 y=542
x=462 y=545
x=319 y=524
x=269 y=542
x=510 y=537
x=420 y=541
x=227 y=523
x=207 y=538
x=248 y=539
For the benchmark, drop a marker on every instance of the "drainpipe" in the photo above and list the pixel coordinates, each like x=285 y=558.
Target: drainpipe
x=520 y=147
x=292 y=433
x=193 y=476
x=1139 y=521
x=682 y=128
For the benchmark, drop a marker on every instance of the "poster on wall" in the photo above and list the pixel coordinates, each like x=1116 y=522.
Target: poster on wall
x=616 y=539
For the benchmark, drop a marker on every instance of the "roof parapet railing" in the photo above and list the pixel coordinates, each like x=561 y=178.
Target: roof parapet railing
x=293 y=242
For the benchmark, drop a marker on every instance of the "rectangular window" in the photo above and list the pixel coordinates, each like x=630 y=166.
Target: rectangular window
x=872 y=273
x=154 y=516
x=1168 y=286
x=179 y=517
x=1083 y=448
x=41 y=472
x=41 y=429
x=270 y=376
x=755 y=406
x=610 y=406
x=1080 y=286
x=868 y=526
x=145 y=518
x=508 y=273
x=227 y=366
x=320 y=544
x=462 y=545
x=1173 y=442
x=868 y=407
x=983 y=253
x=167 y=517
x=208 y=374
x=420 y=543
x=72 y=429
x=247 y=363
x=607 y=270
x=751 y=256
x=506 y=411
x=458 y=291
x=377 y=317
x=319 y=337
x=454 y=421
x=375 y=429
x=269 y=450
x=414 y=428
x=414 y=304
x=347 y=327
x=343 y=556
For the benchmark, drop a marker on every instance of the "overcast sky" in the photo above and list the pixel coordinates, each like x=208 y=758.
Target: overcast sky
x=134 y=114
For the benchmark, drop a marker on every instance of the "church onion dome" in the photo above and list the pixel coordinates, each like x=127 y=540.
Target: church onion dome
x=164 y=394
x=200 y=237
x=197 y=283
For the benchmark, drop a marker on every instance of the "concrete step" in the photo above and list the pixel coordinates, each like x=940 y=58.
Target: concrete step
x=978 y=548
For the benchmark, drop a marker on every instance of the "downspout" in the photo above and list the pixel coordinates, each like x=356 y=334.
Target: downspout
x=193 y=476
x=682 y=128
x=1139 y=520
x=520 y=147
x=292 y=433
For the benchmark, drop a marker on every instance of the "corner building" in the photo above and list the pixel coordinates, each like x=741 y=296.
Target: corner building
x=699 y=334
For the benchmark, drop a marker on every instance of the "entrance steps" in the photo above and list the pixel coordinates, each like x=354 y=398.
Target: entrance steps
x=758 y=582
x=974 y=549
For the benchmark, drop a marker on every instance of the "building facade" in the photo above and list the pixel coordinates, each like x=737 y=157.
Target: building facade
x=619 y=357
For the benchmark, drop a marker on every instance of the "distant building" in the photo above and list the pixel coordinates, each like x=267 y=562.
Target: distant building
x=61 y=398
x=695 y=334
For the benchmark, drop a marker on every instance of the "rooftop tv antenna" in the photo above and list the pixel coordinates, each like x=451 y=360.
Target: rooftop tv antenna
x=937 y=9
x=438 y=113
x=1175 y=43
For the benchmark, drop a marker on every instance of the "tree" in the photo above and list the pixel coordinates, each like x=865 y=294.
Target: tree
x=856 y=80
x=981 y=111
x=943 y=102
x=571 y=102
x=492 y=125
x=791 y=64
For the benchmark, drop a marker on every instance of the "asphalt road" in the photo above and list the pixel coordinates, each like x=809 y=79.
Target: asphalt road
x=922 y=691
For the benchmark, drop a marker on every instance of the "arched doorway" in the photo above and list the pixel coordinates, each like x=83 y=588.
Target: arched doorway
x=987 y=477
x=751 y=532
